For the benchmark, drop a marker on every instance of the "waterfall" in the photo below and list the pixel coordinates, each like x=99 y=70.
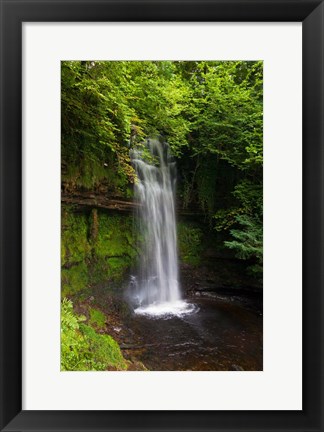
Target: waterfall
x=156 y=286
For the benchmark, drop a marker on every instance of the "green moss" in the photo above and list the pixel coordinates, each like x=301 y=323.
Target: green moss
x=74 y=279
x=98 y=270
x=90 y=172
x=74 y=239
x=97 y=319
x=190 y=243
x=115 y=237
x=82 y=348
x=117 y=266
x=115 y=245
x=95 y=248
x=104 y=349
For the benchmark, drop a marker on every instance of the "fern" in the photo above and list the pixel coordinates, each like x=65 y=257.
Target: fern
x=248 y=241
x=82 y=348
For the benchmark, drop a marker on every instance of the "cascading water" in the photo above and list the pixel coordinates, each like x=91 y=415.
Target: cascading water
x=156 y=288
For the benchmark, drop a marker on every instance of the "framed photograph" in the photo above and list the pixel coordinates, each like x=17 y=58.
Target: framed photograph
x=162 y=215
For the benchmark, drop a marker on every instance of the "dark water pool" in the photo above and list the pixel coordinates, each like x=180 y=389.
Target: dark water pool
x=222 y=335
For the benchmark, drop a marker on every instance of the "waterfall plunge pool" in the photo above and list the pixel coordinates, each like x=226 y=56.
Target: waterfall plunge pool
x=222 y=334
x=167 y=310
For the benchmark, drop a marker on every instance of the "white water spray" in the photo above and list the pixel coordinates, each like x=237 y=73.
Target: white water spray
x=157 y=289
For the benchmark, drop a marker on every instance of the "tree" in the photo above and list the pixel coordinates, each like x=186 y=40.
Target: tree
x=210 y=112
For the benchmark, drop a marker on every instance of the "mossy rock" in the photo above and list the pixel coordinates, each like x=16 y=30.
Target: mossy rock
x=102 y=247
x=74 y=279
x=118 y=266
x=98 y=270
x=115 y=237
x=114 y=250
x=75 y=246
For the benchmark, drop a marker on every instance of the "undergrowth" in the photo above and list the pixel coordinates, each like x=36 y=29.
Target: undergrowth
x=82 y=348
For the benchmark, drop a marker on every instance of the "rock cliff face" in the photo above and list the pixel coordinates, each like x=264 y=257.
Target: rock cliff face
x=86 y=200
x=96 y=246
x=99 y=243
x=91 y=199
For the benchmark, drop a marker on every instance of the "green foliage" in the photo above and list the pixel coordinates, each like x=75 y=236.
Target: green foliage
x=190 y=243
x=82 y=348
x=248 y=236
x=249 y=194
x=104 y=350
x=97 y=319
x=228 y=125
x=226 y=218
x=223 y=173
x=161 y=99
x=247 y=241
x=210 y=112
x=228 y=118
x=106 y=106
x=96 y=123
x=75 y=351
x=249 y=201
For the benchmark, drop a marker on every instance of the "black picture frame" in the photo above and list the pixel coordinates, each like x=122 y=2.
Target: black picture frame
x=13 y=14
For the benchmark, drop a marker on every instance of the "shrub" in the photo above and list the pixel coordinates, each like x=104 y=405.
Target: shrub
x=75 y=350
x=248 y=241
x=82 y=348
